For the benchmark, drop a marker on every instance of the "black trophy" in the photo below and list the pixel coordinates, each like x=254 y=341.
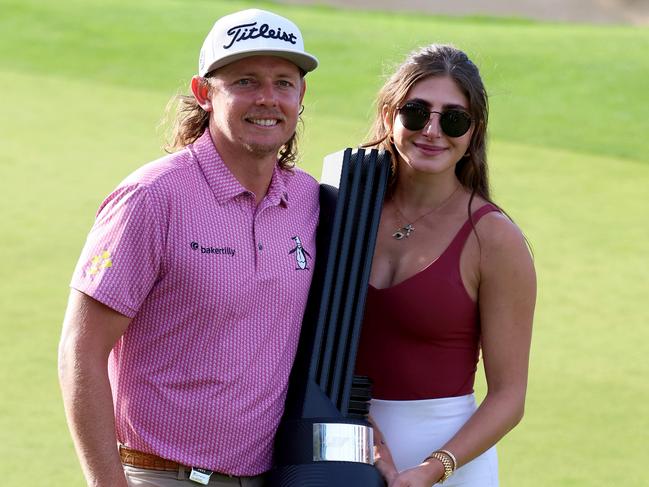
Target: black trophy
x=324 y=439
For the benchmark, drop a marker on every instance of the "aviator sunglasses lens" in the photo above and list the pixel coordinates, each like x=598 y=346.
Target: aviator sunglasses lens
x=454 y=123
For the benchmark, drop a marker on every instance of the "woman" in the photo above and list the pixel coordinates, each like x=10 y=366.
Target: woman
x=451 y=275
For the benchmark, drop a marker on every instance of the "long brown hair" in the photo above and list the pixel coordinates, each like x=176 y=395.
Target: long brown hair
x=190 y=121
x=438 y=60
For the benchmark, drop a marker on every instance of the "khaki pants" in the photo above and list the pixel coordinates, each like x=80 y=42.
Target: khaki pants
x=140 y=477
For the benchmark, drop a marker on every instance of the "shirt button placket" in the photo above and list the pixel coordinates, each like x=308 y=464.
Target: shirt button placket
x=259 y=246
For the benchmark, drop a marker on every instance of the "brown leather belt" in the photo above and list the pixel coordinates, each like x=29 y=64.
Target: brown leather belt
x=148 y=461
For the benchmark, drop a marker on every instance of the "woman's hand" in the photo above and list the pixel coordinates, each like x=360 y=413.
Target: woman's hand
x=384 y=463
x=424 y=475
x=382 y=457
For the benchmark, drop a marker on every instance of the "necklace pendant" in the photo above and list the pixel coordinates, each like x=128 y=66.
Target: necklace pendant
x=403 y=232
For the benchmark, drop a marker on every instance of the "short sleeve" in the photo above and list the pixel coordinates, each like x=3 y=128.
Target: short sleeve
x=121 y=259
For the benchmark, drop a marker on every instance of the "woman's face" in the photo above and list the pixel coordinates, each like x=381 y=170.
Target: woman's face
x=430 y=150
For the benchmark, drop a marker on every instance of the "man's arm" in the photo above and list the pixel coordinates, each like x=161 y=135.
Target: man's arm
x=90 y=329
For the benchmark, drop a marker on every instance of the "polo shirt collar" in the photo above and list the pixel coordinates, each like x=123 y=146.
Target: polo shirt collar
x=223 y=183
x=277 y=191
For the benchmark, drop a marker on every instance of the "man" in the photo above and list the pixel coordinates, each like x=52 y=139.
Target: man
x=186 y=303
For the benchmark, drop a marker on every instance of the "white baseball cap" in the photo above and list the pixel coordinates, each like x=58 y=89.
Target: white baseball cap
x=253 y=32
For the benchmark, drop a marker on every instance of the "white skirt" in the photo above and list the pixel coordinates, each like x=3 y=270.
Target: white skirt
x=414 y=429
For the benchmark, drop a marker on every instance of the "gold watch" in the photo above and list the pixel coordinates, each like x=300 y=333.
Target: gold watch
x=447 y=461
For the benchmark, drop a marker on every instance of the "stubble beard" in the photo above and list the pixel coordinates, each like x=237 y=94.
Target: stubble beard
x=264 y=150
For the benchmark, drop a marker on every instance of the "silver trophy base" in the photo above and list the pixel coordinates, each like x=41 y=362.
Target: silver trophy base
x=343 y=442
x=324 y=453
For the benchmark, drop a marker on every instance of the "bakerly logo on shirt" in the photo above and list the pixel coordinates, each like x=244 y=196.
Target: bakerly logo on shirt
x=213 y=250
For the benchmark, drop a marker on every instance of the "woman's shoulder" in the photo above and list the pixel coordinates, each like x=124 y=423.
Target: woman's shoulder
x=495 y=228
x=505 y=259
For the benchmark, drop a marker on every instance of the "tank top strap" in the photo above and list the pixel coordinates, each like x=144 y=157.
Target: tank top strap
x=457 y=244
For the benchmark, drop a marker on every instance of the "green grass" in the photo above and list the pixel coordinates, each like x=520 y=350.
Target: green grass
x=83 y=87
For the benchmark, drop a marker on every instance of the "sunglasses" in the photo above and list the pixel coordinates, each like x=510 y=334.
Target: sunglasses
x=415 y=116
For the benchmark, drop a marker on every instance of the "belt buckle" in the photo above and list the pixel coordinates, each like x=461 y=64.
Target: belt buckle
x=200 y=475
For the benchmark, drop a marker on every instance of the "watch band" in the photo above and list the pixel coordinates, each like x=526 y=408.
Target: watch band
x=446 y=460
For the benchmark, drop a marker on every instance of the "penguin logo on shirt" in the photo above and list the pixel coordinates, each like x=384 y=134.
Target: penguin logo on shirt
x=300 y=255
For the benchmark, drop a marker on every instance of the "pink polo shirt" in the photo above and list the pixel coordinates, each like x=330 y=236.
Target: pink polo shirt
x=216 y=288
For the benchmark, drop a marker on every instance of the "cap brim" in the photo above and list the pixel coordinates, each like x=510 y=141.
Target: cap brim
x=304 y=61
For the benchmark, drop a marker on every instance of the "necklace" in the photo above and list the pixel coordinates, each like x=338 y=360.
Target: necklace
x=406 y=230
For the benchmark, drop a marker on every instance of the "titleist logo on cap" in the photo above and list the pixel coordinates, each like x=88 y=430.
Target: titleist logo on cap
x=253 y=32
x=244 y=32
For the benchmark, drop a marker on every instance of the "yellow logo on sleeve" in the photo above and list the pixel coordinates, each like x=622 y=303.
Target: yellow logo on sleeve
x=100 y=262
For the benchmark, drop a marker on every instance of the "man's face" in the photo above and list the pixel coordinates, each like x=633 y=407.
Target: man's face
x=255 y=105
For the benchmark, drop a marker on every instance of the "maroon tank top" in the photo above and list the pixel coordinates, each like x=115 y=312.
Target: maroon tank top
x=420 y=338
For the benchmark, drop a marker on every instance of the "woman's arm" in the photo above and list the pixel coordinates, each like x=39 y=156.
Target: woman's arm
x=506 y=297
